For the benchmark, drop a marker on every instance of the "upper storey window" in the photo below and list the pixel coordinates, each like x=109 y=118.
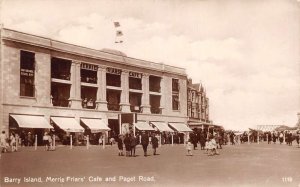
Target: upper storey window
x=113 y=77
x=60 y=68
x=154 y=83
x=135 y=80
x=27 y=69
x=88 y=73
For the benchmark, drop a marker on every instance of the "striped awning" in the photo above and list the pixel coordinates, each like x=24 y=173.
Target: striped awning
x=143 y=126
x=180 y=127
x=162 y=126
x=96 y=125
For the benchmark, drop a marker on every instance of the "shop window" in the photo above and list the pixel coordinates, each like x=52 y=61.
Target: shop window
x=27 y=73
x=60 y=68
x=154 y=83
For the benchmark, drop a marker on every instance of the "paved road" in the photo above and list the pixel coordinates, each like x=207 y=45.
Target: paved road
x=240 y=165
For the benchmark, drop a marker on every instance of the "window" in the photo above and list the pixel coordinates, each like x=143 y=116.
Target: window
x=60 y=68
x=175 y=102
x=135 y=83
x=154 y=84
x=88 y=73
x=175 y=85
x=27 y=69
x=175 y=94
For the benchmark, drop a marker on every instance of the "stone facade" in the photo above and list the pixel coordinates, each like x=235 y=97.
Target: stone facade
x=198 y=105
x=13 y=42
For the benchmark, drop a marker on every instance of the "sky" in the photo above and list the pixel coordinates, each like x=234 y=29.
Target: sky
x=245 y=53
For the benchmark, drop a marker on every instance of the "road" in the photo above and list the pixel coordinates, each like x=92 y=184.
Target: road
x=239 y=165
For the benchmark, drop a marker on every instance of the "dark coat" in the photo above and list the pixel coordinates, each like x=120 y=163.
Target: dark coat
x=120 y=143
x=154 y=142
x=145 y=139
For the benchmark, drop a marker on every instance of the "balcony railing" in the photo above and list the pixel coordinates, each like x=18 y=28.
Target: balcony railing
x=135 y=109
x=92 y=80
x=63 y=76
x=113 y=107
x=155 y=110
x=60 y=102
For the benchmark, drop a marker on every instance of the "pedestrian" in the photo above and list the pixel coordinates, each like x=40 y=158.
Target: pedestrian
x=189 y=148
x=120 y=145
x=281 y=138
x=145 y=142
x=100 y=141
x=133 y=143
x=127 y=144
x=46 y=141
x=154 y=141
x=3 y=142
x=13 y=142
x=202 y=140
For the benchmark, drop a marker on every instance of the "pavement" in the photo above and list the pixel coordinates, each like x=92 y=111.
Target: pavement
x=239 y=165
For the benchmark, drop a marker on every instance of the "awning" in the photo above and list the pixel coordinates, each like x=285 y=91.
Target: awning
x=161 y=126
x=181 y=127
x=96 y=125
x=29 y=121
x=67 y=124
x=143 y=126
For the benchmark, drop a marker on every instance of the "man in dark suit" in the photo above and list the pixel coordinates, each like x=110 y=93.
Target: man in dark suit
x=145 y=142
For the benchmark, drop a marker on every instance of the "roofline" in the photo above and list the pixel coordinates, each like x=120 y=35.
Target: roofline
x=95 y=50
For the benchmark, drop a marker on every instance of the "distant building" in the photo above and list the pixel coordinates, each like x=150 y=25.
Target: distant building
x=197 y=106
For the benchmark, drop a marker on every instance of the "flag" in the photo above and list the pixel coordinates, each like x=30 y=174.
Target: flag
x=119 y=33
x=117 y=24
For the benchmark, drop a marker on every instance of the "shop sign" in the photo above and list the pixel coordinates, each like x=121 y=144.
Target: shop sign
x=89 y=67
x=135 y=75
x=113 y=71
x=27 y=72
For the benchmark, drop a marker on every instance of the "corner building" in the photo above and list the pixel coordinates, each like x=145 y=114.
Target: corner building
x=49 y=78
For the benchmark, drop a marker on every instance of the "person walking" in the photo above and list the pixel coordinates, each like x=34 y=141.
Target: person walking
x=154 y=141
x=145 y=142
x=46 y=141
x=133 y=143
x=281 y=138
x=127 y=144
x=3 y=142
x=120 y=145
x=189 y=148
x=13 y=142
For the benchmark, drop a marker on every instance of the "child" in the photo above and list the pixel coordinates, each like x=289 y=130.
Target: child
x=189 y=148
x=206 y=146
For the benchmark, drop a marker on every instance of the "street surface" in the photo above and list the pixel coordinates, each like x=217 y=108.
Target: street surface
x=239 y=165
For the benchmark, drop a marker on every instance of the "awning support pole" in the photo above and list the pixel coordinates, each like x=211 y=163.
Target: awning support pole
x=248 y=137
x=54 y=142
x=17 y=142
x=103 y=140
x=160 y=140
x=87 y=141
x=35 y=143
x=172 y=139
x=257 y=137
x=71 y=142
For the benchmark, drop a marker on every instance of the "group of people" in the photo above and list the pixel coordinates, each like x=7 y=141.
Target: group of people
x=210 y=146
x=130 y=141
x=281 y=136
x=8 y=143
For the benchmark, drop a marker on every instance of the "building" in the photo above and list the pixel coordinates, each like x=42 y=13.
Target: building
x=197 y=106
x=41 y=77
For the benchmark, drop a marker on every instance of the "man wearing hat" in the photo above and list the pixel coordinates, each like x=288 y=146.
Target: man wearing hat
x=145 y=142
